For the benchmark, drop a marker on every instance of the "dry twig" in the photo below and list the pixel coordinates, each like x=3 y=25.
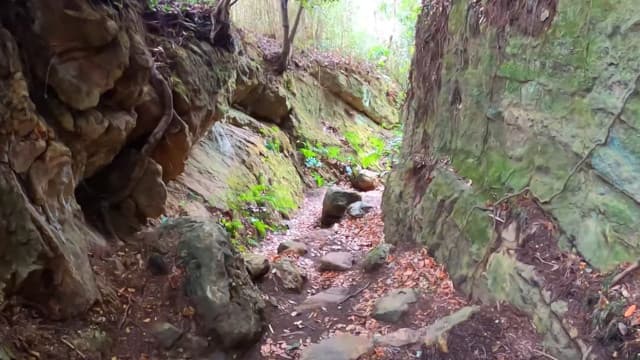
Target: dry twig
x=72 y=347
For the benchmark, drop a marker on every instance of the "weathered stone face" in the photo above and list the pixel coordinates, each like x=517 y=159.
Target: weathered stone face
x=43 y=242
x=77 y=105
x=520 y=97
x=228 y=306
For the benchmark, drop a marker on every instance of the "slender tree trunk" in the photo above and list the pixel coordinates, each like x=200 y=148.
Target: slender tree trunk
x=294 y=30
x=286 y=45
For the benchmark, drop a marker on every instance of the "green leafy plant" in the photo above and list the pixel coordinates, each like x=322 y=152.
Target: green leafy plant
x=318 y=179
x=261 y=227
x=233 y=227
x=369 y=153
x=273 y=144
x=334 y=153
x=311 y=157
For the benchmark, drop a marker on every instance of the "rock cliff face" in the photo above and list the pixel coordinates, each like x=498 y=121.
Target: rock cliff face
x=78 y=103
x=537 y=98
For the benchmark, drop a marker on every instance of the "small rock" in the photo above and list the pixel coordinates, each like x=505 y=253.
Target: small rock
x=335 y=204
x=358 y=209
x=365 y=180
x=330 y=296
x=193 y=344
x=93 y=340
x=340 y=347
x=430 y=334
x=157 y=265
x=442 y=326
x=336 y=261
x=289 y=275
x=166 y=334
x=293 y=247
x=218 y=355
x=377 y=257
x=622 y=328
x=257 y=265
x=399 y=338
x=391 y=307
x=6 y=353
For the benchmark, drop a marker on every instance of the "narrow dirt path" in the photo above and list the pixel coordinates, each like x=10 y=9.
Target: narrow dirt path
x=295 y=324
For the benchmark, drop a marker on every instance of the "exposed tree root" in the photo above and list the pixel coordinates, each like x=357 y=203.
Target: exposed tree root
x=355 y=293
x=633 y=267
x=161 y=85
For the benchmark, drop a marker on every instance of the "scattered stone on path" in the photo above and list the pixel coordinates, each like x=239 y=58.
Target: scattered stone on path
x=336 y=261
x=257 y=265
x=319 y=236
x=442 y=326
x=330 y=296
x=393 y=305
x=92 y=340
x=294 y=247
x=335 y=204
x=229 y=307
x=399 y=338
x=377 y=257
x=428 y=335
x=166 y=334
x=157 y=265
x=195 y=345
x=339 y=347
x=366 y=180
x=359 y=209
x=289 y=275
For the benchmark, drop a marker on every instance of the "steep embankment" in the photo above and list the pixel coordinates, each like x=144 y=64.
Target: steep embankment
x=101 y=105
x=517 y=107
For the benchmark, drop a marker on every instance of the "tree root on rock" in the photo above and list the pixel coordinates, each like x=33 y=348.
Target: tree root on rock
x=160 y=85
x=633 y=267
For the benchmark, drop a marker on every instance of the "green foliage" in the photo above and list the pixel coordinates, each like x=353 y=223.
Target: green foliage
x=334 y=153
x=233 y=227
x=370 y=153
x=318 y=179
x=337 y=27
x=311 y=156
x=314 y=3
x=273 y=144
x=261 y=227
x=252 y=213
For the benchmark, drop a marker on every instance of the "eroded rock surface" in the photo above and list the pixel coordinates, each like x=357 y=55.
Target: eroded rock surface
x=78 y=102
x=335 y=204
x=512 y=123
x=228 y=306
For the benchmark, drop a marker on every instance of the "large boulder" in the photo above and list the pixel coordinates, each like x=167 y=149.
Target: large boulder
x=335 y=204
x=336 y=261
x=392 y=306
x=331 y=296
x=294 y=247
x=228 y=305
x=365 y=180
x=339 y=347
x=289 y=275
x=257 y=265
x=377 y=257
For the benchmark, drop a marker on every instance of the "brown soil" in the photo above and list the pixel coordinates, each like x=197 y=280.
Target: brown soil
x=133 y=298
x=490 y=334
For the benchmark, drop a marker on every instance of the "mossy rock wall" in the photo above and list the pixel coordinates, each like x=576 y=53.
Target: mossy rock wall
x=518 y=96
x=295 y=109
